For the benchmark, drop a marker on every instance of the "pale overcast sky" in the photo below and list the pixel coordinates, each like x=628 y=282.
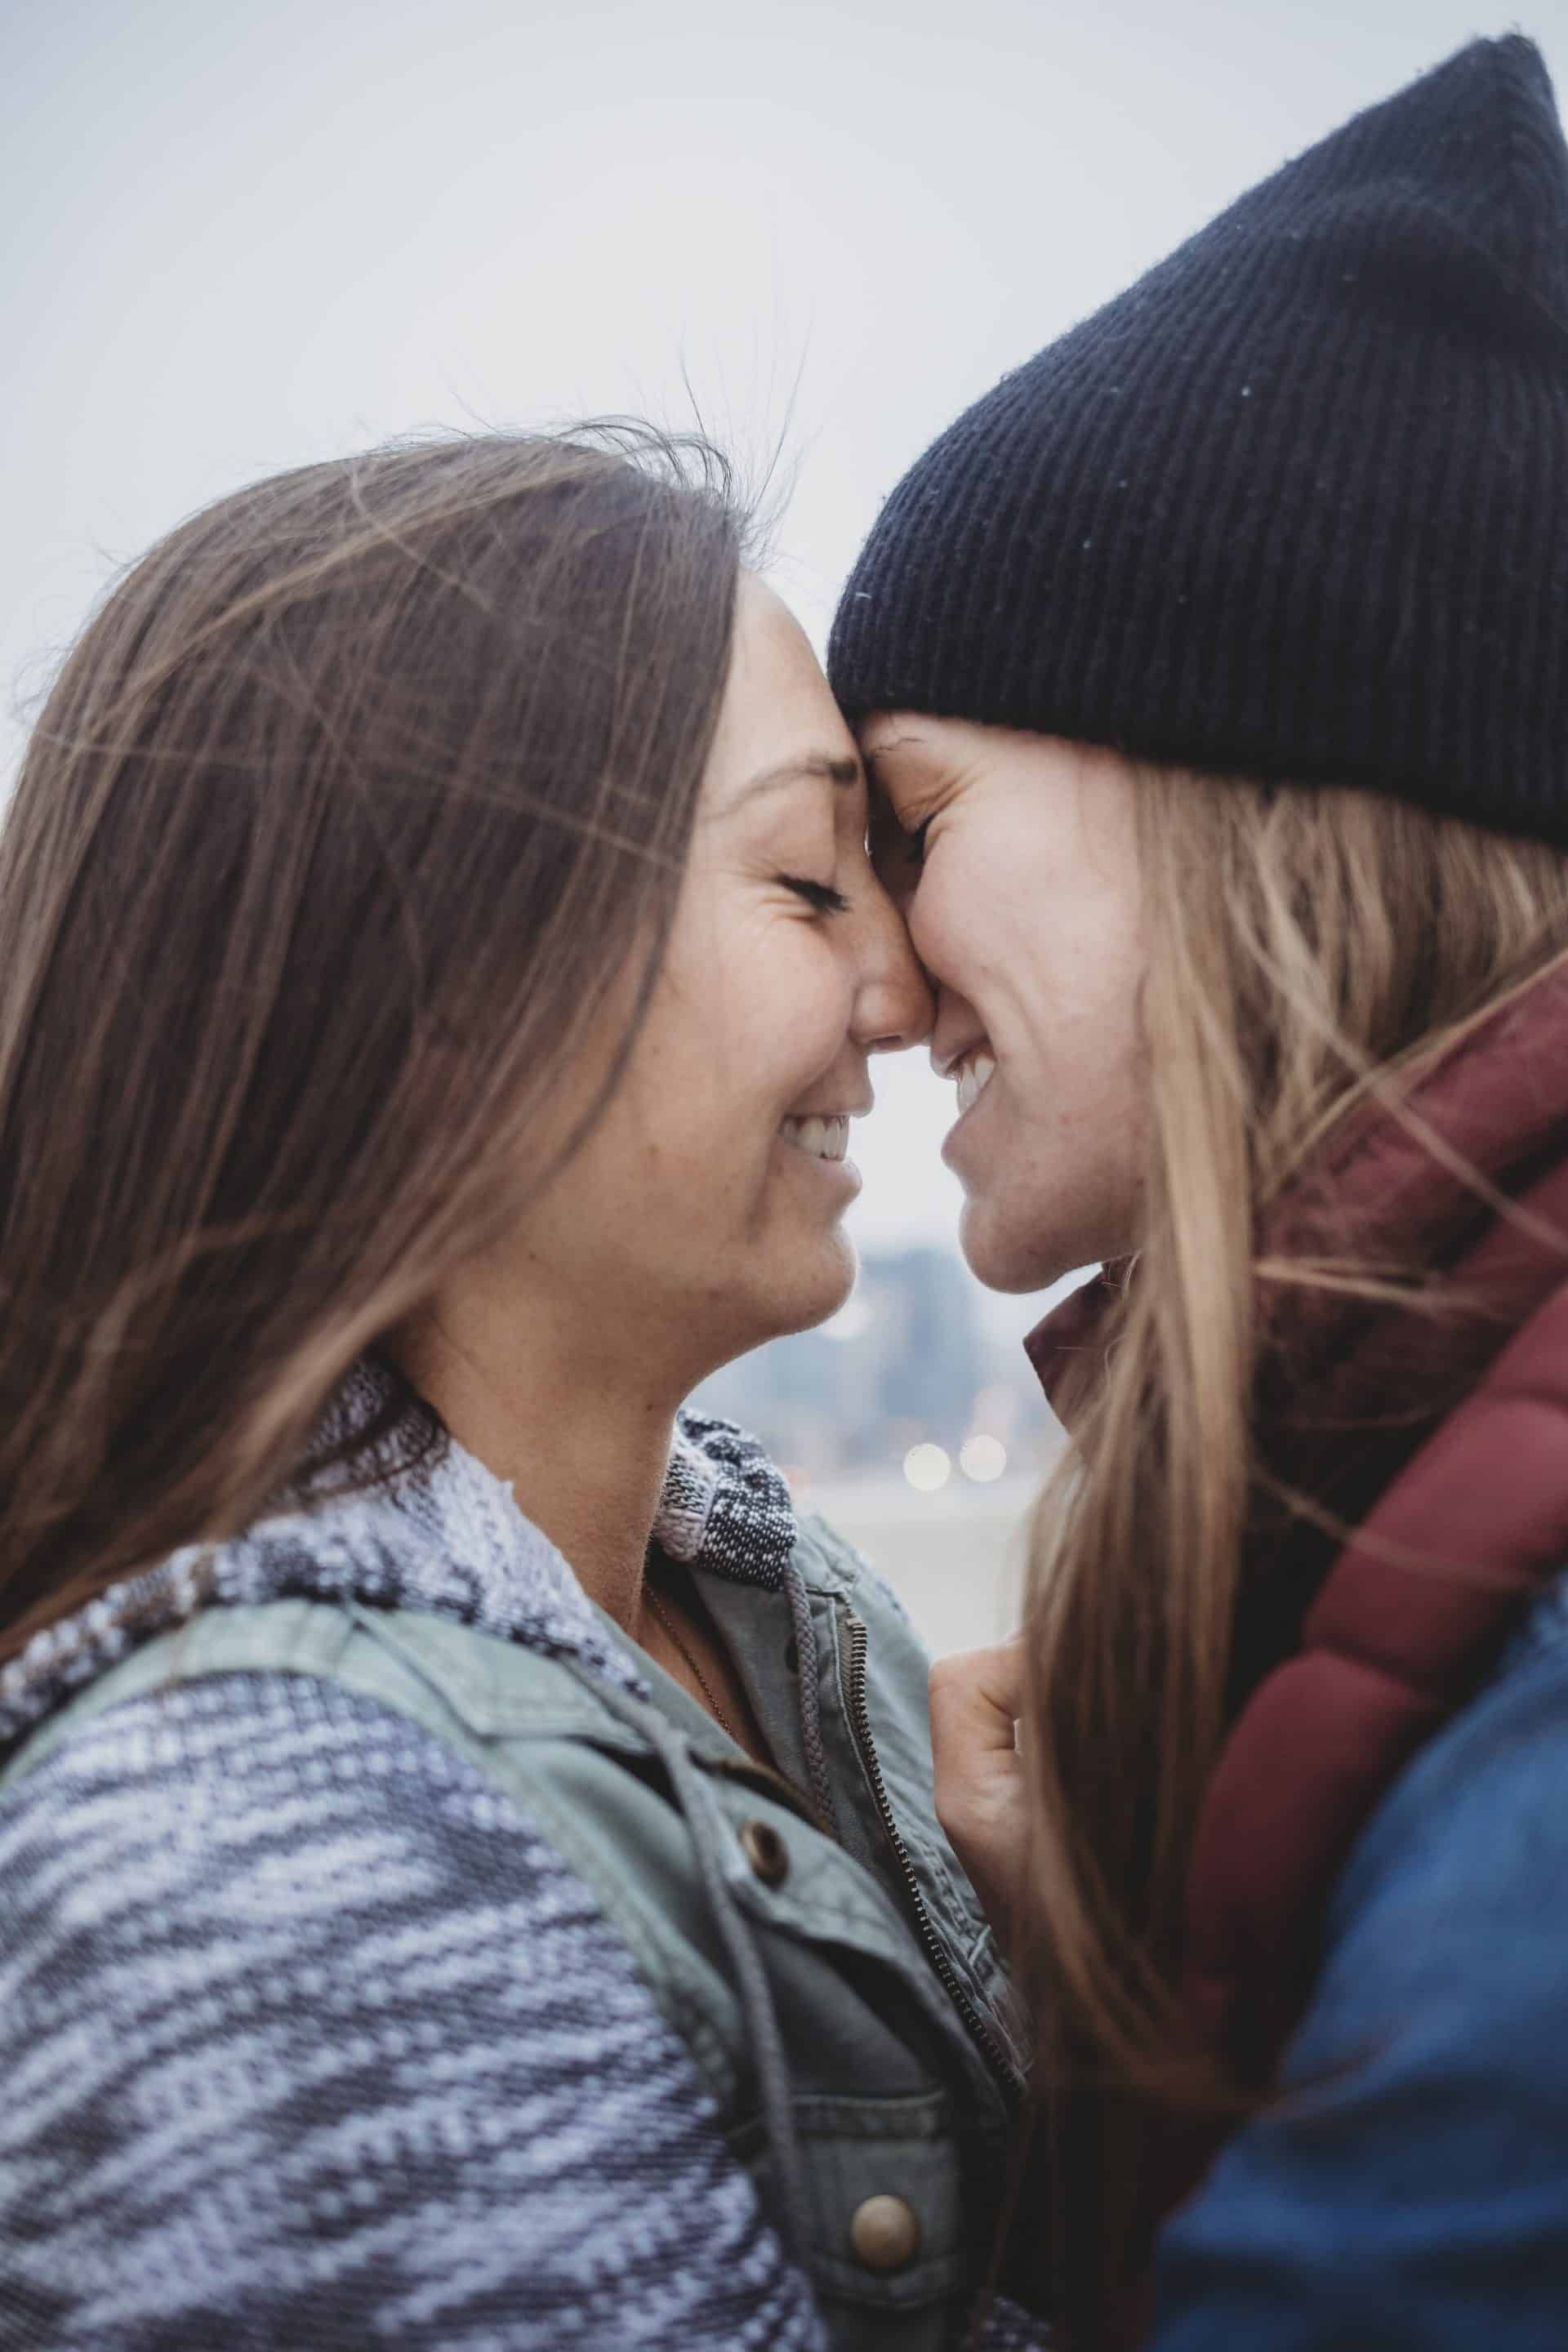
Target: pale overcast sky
x=240 y=237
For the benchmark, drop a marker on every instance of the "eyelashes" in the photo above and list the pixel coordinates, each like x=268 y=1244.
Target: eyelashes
x=824 y=900
x=822 y=896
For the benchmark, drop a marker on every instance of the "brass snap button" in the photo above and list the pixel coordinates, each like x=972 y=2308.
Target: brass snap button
x=886 y=2234
x=765 y=1851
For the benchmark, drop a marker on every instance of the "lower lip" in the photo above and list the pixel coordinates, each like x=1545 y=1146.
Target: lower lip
x=842 y=1174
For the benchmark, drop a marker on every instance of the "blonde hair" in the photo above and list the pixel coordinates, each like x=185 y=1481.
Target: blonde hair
x=1307 y=950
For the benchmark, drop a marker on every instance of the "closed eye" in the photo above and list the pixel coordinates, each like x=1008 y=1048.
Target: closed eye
x=820 y=895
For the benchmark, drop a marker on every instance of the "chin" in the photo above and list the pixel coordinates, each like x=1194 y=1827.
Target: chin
x=794 y=1297
x=830 y=1283
x=1005 y=1254
x=808 y=1291
x=770 y=1305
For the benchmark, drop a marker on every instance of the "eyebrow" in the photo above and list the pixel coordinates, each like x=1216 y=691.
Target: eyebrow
x=840 y=770
x=884 y=751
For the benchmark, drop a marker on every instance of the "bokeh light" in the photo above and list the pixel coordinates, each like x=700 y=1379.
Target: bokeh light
x=982 y=1458
x=927 y=1468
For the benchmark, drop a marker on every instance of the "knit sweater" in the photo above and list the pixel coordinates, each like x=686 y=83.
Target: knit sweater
x=273 y=2074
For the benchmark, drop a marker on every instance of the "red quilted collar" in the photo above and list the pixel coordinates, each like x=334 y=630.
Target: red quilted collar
x=1445 y=1445
x=1499 y=1101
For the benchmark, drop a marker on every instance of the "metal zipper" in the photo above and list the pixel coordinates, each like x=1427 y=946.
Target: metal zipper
x=980 y=2032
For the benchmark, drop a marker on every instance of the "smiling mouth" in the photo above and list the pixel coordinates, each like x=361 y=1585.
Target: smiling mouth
x=973 y=1075
x=821 y=1138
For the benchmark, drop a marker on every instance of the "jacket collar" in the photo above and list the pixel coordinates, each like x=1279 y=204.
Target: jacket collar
x=444 y=1537
x=1347 y=1390
x=1496 y=1102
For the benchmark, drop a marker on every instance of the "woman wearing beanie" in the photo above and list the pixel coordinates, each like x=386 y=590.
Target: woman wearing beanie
x=1214 y=673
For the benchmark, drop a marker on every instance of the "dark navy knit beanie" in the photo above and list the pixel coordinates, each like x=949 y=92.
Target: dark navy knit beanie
x=1294 y=505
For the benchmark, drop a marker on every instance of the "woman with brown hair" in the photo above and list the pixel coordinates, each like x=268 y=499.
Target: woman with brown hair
x=1214 y=676
x=467 y=1860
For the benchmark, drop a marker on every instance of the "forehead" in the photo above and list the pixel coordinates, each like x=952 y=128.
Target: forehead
x=777 y=704
x=915 y=734
x=908 y=751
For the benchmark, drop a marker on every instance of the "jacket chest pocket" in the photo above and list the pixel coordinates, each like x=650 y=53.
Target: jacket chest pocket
x=899 y=2159
x=696 y=1866
x=895 y=2226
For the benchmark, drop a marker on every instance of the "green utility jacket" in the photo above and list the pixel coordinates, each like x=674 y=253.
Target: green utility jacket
x=833 y=1979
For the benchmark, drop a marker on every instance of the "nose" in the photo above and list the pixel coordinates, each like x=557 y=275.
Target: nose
x=893 y=1005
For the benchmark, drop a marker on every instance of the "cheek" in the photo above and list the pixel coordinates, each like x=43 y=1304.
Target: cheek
x=780 y=1013
x=1072 y=1038
x=980 y=933
x=731 y=1048
x=947 y=924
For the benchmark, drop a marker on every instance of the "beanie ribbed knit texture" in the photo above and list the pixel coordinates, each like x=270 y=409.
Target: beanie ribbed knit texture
x=1293 y=506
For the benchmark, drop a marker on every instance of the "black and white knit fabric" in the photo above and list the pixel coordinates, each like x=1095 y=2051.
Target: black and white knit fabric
x=272 y=2075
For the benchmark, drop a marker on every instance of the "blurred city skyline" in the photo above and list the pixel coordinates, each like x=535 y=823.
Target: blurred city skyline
x=913 y=1423
x=908 y=1379
x=243 y=239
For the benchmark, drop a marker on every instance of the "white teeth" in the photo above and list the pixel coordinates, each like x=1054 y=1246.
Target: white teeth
x=972 y=1074
x=825 y=1139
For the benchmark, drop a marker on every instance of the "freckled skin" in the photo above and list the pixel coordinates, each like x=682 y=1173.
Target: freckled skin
x=1025 y=911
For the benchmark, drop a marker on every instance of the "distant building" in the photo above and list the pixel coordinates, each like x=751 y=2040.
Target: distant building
x=905 y=1364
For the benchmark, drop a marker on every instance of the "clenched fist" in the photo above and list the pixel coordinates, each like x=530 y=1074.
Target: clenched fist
x=976 y=1698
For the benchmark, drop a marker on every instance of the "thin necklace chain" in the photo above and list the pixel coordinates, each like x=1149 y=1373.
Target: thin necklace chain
x=673 y=1631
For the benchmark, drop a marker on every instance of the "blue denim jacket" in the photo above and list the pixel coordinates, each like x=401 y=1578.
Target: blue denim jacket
x=1410 y=2187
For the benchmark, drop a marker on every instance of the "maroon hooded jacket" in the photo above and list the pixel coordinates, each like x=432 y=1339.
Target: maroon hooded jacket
x=1444 y=1441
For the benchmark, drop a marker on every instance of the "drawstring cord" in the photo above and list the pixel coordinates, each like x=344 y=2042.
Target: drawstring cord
x=810 y=1710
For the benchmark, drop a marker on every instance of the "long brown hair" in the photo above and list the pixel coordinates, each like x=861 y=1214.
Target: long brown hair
x=1306 y=950
x=359 y=808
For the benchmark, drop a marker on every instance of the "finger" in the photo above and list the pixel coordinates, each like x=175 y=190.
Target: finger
x=977 y=1696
